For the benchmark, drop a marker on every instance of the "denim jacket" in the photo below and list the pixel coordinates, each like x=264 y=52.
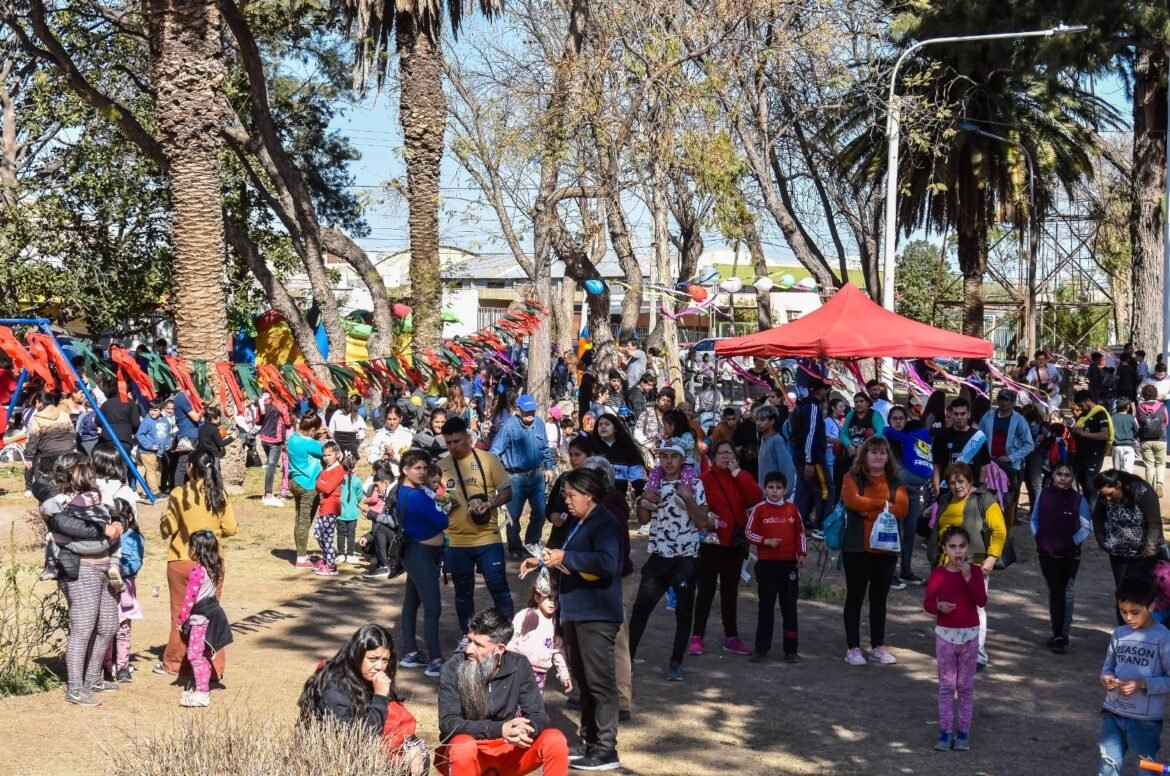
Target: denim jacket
x=1019 y=439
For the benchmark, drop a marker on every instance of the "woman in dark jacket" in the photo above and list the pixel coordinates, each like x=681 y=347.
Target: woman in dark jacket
x=122 y=415
x=589 y=568
x=731 y=492
x=1127 y=520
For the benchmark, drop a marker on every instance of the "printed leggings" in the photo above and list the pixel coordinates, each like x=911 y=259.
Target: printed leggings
x=956 y=676
x=198 y=655
x=326 y=524
x=93 y=621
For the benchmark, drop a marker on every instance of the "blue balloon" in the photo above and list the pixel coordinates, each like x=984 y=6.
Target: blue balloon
x=594 y=286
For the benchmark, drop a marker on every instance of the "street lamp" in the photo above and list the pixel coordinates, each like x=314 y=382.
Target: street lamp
x=1033 y=234
x=893 y=127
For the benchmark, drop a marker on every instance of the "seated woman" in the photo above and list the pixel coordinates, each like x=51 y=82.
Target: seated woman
x=357 y=686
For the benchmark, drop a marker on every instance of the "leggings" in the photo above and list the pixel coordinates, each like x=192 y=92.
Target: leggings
x=658 y=574
x=324 y=534
x=346 y=537
x=865 y=572
x=956 y=675
x=118 y=655
x=717 y=564
x=1060 y=574
x=93 y=620
x=306 y=504
x=198 y=657
x=422 y=587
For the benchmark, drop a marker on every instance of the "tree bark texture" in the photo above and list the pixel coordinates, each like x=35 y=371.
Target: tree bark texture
x=423 y=114
x=1148 y=190
x=564 y=304
x=659 y=211
x=972 y=247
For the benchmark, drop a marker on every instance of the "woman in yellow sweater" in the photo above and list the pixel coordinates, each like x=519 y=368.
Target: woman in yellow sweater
x=971 y=507
x=869 y=488
x=200 y=505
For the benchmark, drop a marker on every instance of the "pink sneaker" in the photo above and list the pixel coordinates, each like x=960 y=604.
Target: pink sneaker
x=736 y=646
x=882 y=655
x=304 y=563
x=696 y=646
x=325 y=570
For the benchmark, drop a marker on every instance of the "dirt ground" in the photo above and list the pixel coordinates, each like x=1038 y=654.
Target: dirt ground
x=1034 y=712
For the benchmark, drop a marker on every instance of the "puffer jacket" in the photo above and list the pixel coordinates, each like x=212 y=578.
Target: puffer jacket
x=50 y=432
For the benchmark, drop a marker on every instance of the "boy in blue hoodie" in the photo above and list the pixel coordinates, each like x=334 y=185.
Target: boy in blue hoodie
x=1135 y=677
x=154 y=440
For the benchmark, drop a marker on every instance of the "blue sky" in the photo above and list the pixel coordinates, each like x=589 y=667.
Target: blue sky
x=373 y=128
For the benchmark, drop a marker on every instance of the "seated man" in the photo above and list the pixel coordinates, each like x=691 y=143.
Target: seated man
x=480 y=691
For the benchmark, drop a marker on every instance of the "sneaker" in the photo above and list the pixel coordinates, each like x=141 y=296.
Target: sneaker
x=817 y=535
x=395 y=572
x=675 y=672
x=962 y=742
x=854 y=657
x=945 y=739
x=28 y=494
x=910 y=578
x=1058 y=646
x=123 y=675
x=160 y=669
x=378 y=572
x=48 y=575
x=792 y=658
x=303 y=563
x=883 y=656
x=102 y=685
x=979 y=667
x=757 y=657
x=413 y=660
x=82 y=698
x=272 y=501
x=434 y=669
x=325 y=570
x=599 y=761
x=578 y=751
x=897 y=584
x=735 y=646
x=696 y=646
x=194 y=700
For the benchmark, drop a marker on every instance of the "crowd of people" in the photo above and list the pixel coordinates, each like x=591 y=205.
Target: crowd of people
x=724 y=492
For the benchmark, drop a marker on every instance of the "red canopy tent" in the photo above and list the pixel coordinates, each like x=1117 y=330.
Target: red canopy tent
x=851 y=325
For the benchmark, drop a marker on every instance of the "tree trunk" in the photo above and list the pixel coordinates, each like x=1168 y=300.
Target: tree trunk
x=1148 y=187
x=760 y=267
x=973 y=262
x=659 y=211
x=564 y=304
x=423 y=113
x=539 y=352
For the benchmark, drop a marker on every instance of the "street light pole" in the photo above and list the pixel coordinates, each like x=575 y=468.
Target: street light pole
x=1033 y=235
x=893 y=127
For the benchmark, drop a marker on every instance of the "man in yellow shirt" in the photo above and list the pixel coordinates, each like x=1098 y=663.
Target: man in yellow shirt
x=478 y=485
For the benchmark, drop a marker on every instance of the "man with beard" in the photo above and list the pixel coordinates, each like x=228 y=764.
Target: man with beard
x=491 y=713
x=522 y=446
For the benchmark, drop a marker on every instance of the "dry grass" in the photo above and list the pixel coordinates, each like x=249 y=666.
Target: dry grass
x=215 y=742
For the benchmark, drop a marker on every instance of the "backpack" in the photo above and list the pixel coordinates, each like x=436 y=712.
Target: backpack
x=834 y=527
x=87 y=427
x=390 y=520
x=1154 y=425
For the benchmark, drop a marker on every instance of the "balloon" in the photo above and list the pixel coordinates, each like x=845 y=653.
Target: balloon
x=787 y=281
x=401 y=310
x=731 y=285
x=763 y=284
x=808 y=283
x=594 y=286
x=698 y=293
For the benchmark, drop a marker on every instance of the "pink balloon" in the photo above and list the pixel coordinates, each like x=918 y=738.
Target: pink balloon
x=401 y=310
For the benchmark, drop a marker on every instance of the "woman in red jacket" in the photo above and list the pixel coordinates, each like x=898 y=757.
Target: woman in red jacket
x=329 y=487
x=731 y=492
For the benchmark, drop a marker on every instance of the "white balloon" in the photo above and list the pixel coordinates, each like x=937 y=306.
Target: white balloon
x=763 y=283
x=705 y=274
x=808 y=283
x=731 y=285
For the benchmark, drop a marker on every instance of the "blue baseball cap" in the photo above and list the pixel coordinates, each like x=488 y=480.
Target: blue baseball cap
x=526 y=403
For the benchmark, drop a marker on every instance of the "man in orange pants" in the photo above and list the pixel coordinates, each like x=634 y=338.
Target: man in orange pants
x=480 y=692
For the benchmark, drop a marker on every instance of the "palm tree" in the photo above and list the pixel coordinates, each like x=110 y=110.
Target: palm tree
x=950 y=179
x=416 y=26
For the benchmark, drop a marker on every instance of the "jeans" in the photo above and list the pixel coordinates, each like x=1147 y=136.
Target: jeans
x=717 y=564
x=179 y=467
x=530 y=488
x=488 y=559
x=914 y=485
x=658 y=574
x=347 y=537
x=1035 y=472
x=272 y=451
x=591 y=661
x=865 y=572
x=1119 y=734
x=1087 y=471
x=1060 y=574
x=778 y=579
x=422 y=587
x=305 y=502
x=1120 y=569
x=813 y=494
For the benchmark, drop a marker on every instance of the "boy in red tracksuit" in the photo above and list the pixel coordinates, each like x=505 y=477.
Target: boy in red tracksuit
x=329 y=488
x=775 y=527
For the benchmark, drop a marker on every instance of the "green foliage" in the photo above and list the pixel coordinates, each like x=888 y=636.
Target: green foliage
x=32 y=628
x=924 y=284
x=1073 y=324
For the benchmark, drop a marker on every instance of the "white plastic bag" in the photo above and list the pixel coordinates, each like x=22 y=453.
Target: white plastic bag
x=885 y=534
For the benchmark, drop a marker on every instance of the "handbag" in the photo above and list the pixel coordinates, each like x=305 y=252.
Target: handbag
x=834 y=527
x=885 y=536
x=1007 y=555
